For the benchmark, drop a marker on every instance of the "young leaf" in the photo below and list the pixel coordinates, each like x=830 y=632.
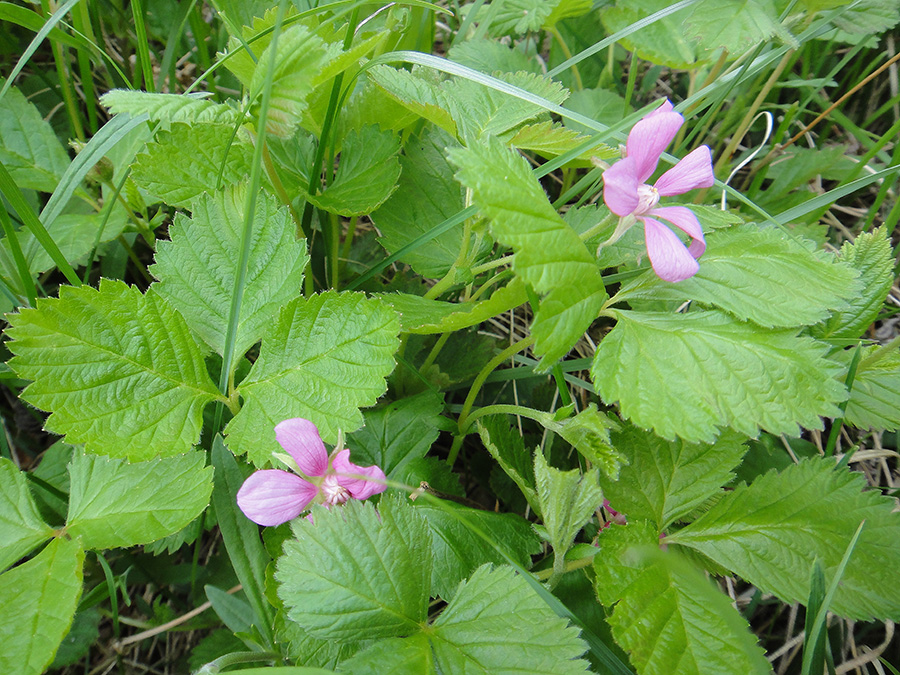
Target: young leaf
x=871 y=256
x=550 y=257
x=187 y=161
x=762 y=532
x=357 y=574
x=875 y=397
x=324 y=358
x=669 y=618
x=688 y=374
x=588 y=432
x=196 y=268
x=119 y=370
x=366 y=176
x=39 y=599
x=21 y=526
x=508 y=448
x=114 y=503
x=188 y=108
x=745 y=271
x=664 y=480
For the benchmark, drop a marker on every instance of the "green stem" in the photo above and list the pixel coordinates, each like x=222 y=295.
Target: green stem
x=334 y=256
x=65 y=82
x=137 y=11
x=554 y=31
x=433 y=354
x=505 y=409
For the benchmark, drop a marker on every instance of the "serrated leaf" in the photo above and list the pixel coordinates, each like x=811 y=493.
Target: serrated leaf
x=875 y=397
x=689 y=374
x=196 y=268
x=488 y=56
x=567 y=9
x=663 y=481
x=869 y=17
x=324 y=358
x=782 y=522
x=187 y=161
x=588 y=432
x=517 y=17
x=745 y=271
x=39 y=599
x=870 y=255
x=458 y=551
x=668 y=616
x=733 y=25
x=366 y=176
x=549 y=139
x=550 y=256
x=304 y=648
x=118 y=370
x=662 y=42
x=508 y=448
x=422 y=316
x=418 y=91
x=426 y=196
x=193 y=108
x=397 y=433
x=29 y=148
x=77 y=643
x=114 y=503
x=21 y=527
x=357 y=574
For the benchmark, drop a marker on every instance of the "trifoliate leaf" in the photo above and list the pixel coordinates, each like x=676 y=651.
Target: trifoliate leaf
x=196 y=269
x=187 y=161
x=875 y=397
x=397 y=433
x=550 y=257
x=733 y=25
x=357 y=574
x=508 y=448
x=745 y=271
x=324 y=358
x=188 y=108
x=663 y=481
x=689 y=374
x=366 y=176
x=118 y=370
x=871 y=256
x=39 y=599
x=29 y=148
x=458 y=551
x=114 y=503
x=21 y=526
x=667 y=615
x=767 y=532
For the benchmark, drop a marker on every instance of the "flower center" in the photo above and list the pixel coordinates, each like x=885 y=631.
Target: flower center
x=648 y=196
x=334 y=492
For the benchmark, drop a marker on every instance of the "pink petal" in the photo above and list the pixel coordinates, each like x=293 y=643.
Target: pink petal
x=693 y=171
x=649 y=137
x=300 y=438
x=272 y=497
x=685 y=220
x=620 y=191
x=360 y=488
x=669 y=257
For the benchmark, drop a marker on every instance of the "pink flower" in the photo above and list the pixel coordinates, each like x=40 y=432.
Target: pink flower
x=273 y=497
x=627 y=194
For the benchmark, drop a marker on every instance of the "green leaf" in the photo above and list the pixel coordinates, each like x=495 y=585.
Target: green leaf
x=357 y=574
x=745 y=271
x=29 y=148
x=588 y=432
x=517 y=17
x=39 y=599
x=188 y=108
x=773 y=530
x=665 y=480
x=568 y=500
x=426 y=196
x=119 y=370
x=667 y=615
x=733 y=25
x=458 y=551
x=688 y=374
x=508 y=448
x=187 y=161
x=196 y=268
x=21 y=526
x=662 y=42
x=871 y=256
x=366 y=176
x=324 y=358
x=549 y=139
x=114 y=503
x=489 y=56
x=418 y=91
x=875 y=397
x=567 y=9
x=550 y=256
x=397 y=433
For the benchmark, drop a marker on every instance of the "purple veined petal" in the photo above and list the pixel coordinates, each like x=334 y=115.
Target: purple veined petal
x=360 y=488
x=669 y=257
x=685 y=220
x=300 y=438
x=620 y=187
x=693 y=171
x=272 y=497
x=649 y=137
